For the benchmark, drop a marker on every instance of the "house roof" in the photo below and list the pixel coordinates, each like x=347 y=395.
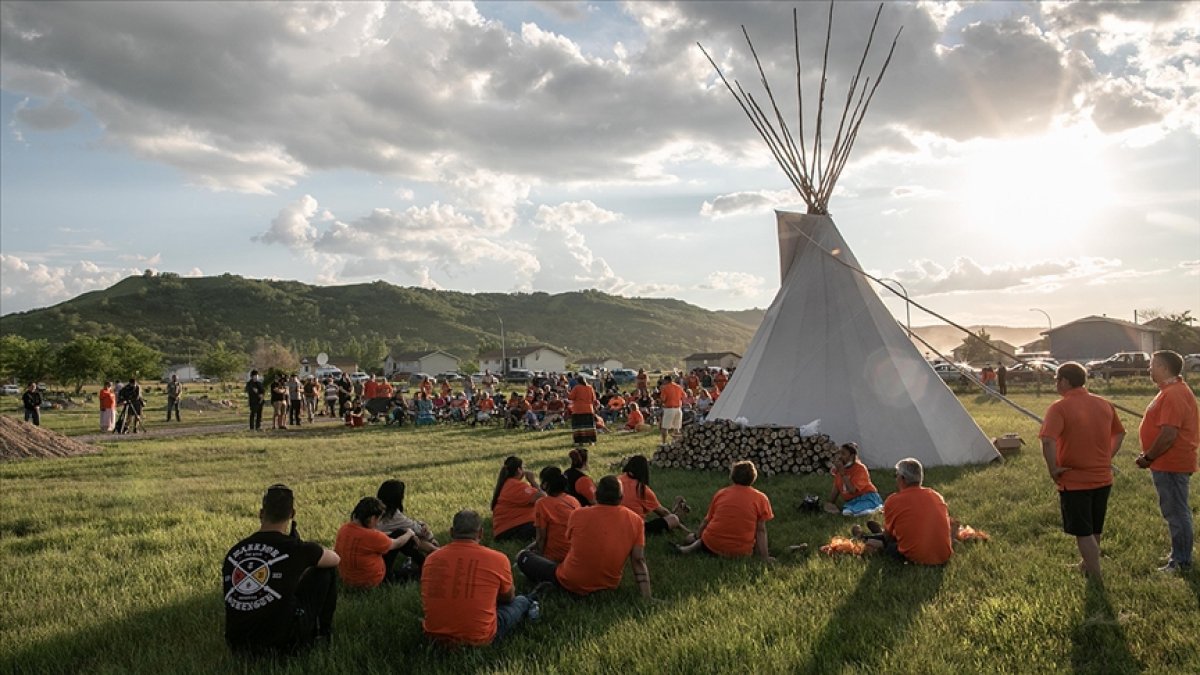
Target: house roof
x=418 y=355
x=521 y=351
x=704 y=356
x=1103 y=319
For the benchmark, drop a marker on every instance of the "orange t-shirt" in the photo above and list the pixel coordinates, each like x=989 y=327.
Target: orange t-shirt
x=601 y=538
x=384 y=390
x=733 y=517
x=370 y=389
x=616 y=403
x=583 y=399
x=1082 y=426
x=108 y=401
x=1175 y=406
x=630 y=500
x=671 y=395
x=361 y=550
x=515 y=506
x=857 y=483
x=586 y=488
x=919 y=520
x=636 y=419
x=551 y=514
x=487 y=404
x=460 y=583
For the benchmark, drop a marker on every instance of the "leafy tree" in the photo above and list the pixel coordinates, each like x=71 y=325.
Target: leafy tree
x=25 y=360
x=221 y=364
x=975 y=351
x=134 y=359
x=1178 y=335
x=270 y=354
x=83 y=360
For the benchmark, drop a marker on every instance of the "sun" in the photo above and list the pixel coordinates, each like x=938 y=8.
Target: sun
x=1047 y=190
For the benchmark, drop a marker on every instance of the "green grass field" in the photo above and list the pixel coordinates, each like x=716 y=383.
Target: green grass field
x=112 y=564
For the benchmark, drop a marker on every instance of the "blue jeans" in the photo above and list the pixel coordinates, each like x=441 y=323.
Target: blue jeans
x=508 y=616
x=1173 y=502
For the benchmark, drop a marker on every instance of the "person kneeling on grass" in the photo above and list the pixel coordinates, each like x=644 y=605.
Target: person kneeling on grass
x=600 y=539
x=280 y=592
x=395 y=522
x=363 y=548
x=354 y=416
x=512 y=502
x=636 y=419
x=467 y=589
x=639 y=498
x=852 y=484
x=917 y=525
x=736 y=523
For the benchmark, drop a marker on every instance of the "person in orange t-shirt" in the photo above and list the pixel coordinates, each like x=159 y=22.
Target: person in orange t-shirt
x=512 y=502
x=852 y=484
x=1169 y=437
x=671 y=395
x=370 y=389
x=720 y=380
x=601 y=538
x=636 y=419
x=550 y=515
x=1080 y=435
x=639 y=498
x=108 y=408
x=583 y=405
x=579 y=484
x=362 y=547
x=736 y=523
x=917 y=526
x=467 y=590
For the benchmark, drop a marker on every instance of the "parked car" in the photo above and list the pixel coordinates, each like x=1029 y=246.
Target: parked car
x=359 y=376
x=450 y=376
x=518 y=375
x=329 y=371
x=1191 y=363
x=1121 y=364
x=624 y=375
x=950 y=372
x=416 y=378
x=1031 y=371
x=10 y=390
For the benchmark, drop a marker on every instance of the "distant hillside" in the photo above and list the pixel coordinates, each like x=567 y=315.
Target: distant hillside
x=183 y=316
x=746 y=317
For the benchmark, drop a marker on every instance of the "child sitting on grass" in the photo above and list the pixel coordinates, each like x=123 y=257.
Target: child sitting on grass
x=852 y=484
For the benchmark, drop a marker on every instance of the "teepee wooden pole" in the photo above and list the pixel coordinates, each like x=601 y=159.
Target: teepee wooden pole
x=816 y=161
x=799 y=90
x=837 y=139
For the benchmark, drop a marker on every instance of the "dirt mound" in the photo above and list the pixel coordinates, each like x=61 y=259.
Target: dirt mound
x=205 y=403
x=19 y=440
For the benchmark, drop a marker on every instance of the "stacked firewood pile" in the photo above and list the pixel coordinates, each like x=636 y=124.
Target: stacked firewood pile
x=715 y=445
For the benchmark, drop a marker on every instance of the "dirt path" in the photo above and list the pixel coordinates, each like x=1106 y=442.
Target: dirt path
x=164 y=431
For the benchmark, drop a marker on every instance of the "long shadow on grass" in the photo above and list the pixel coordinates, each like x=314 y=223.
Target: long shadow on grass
x=873 y=618
x=1099 y=640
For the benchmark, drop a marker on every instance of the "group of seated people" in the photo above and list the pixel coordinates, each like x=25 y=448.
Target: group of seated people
x=281 y=592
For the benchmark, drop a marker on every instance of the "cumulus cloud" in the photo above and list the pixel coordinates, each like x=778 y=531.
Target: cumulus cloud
x=567 y=259
x=927 y=277
x=292 y=227
x=25 y=284
x=1190 y=268
x=747 y=202
x=737 y=284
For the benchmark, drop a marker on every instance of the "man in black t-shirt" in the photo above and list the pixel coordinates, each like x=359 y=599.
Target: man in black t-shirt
x=256 y=391
x=280 y=591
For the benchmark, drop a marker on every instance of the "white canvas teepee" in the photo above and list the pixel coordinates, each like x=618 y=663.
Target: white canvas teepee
x=828 y=349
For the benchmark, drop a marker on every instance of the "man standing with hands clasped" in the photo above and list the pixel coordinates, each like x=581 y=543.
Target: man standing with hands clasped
x=1080 y=436
x=1169 y=438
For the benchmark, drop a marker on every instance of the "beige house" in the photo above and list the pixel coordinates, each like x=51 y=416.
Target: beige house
x=726 y=360
x=534 y=357
x=425 y=361
x=309 y=365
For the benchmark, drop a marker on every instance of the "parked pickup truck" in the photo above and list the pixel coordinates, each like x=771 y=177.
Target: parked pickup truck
x=1121 y=364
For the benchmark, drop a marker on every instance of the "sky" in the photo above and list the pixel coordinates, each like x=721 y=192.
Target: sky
x=1020 y=163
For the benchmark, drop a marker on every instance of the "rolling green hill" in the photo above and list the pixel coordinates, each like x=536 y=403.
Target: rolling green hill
x=182 y=317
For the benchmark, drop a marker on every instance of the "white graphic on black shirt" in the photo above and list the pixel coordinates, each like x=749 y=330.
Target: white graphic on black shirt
x=249 y=587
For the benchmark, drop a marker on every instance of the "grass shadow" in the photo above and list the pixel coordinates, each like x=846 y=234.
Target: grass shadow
x=873 y=619
x=1099 y=643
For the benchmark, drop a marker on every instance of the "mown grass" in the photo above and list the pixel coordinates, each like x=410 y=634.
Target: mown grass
x=112 y=564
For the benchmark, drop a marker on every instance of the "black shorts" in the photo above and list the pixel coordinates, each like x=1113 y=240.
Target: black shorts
x=657 y=525
x=891 y=547
x=1083 y=510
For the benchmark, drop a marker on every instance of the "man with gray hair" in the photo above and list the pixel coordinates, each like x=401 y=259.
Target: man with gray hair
x=467 y=589
x=917 y=526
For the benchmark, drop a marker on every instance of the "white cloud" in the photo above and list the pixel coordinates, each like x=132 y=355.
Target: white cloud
x=25 y=285
x=292 y=227
x=737 y=284
x=927 y=277
x=747 y=202
x=1190 y=268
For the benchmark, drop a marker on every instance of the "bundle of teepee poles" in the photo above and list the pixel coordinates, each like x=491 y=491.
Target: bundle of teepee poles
x=813 y=171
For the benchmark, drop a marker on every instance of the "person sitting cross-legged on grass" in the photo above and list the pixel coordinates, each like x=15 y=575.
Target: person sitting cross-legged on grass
x=467 y=589
x=917 y=525
x=395 y=522
x=579 y=484
x=363 y=548
x=852 y=484
x=550 y=515
x=636 y=420
x=512 y=502
x=600 y=539
x=280 y=592
x=639 y=498
x=736 y=523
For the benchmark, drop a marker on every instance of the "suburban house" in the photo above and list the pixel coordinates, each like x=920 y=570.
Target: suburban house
x=533 y=357
x=726 y=360
x=431 y=362
x=1098 y=337
x=186 y=372
x=600 y=363
x=309 y=365
x=992 y=358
